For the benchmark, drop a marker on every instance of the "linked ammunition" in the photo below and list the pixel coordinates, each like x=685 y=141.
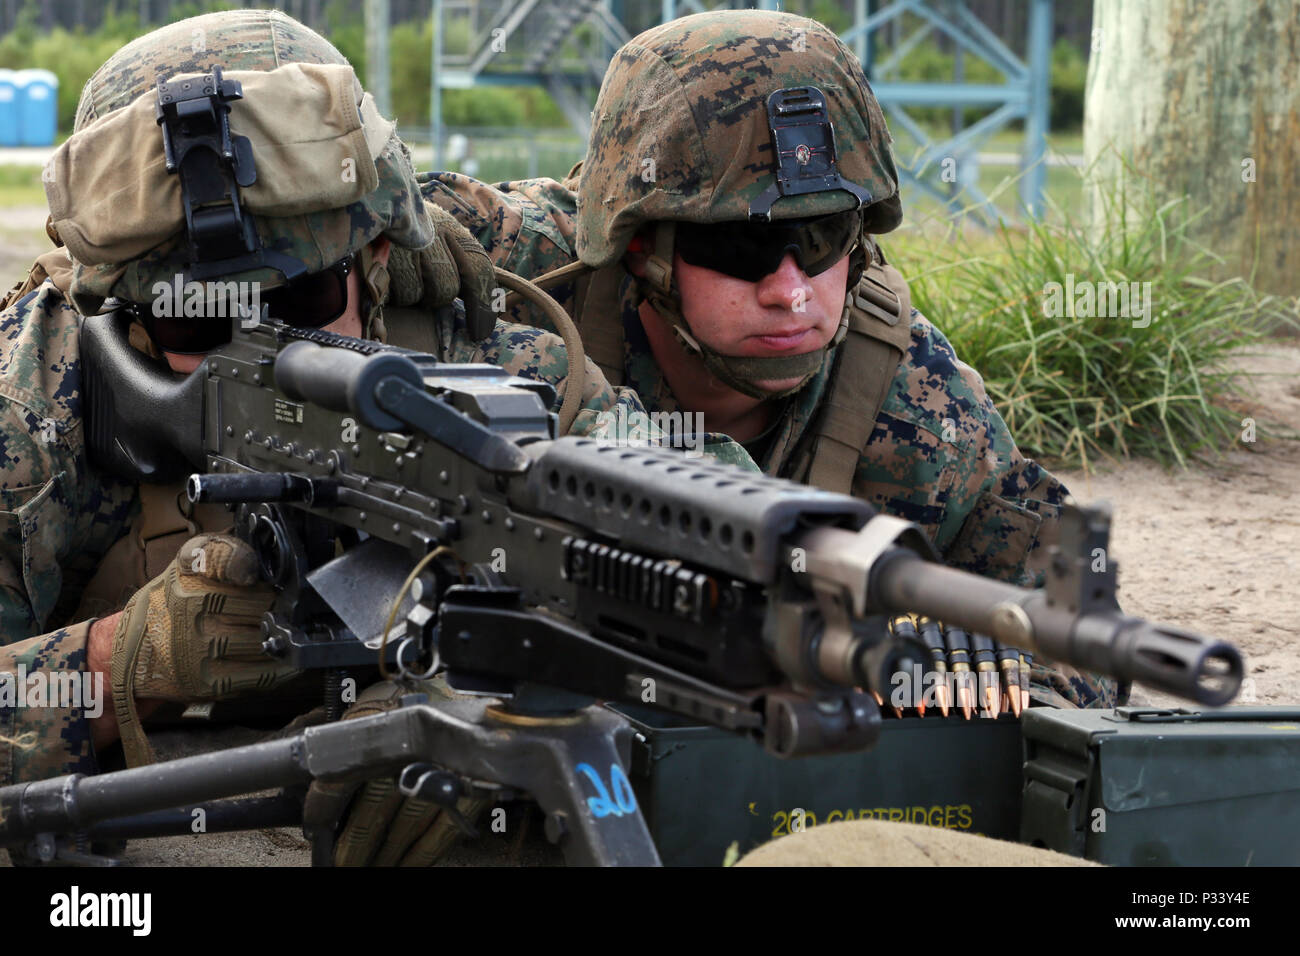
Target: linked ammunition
x=958 y=642
x=932 y=635
x=902 y=627
x=986 y=673
x=1009 y=665
x=1026 y=663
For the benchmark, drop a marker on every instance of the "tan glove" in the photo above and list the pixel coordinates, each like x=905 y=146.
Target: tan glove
x=193 y=634
x=383 y=827
x=454 y=265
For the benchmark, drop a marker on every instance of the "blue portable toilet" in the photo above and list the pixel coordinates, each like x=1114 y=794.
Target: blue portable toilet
x=8 y=109
x=38 y=107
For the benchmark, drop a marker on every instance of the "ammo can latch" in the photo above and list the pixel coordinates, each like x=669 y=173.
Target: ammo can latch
x=1054 y=807
x=1126 y=715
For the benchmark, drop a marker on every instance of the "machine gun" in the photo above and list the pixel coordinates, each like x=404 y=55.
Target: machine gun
x=422 y=514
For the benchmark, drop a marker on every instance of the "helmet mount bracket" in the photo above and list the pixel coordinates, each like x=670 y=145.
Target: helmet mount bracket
x=213 y=165
x=803 y=141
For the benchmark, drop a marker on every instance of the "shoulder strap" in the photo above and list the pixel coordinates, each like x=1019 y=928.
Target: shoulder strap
x=878 y=337
x=595 y=312
x=412 y=328
x=596 y=309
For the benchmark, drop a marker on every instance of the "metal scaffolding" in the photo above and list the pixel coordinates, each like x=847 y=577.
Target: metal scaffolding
x=564 y=46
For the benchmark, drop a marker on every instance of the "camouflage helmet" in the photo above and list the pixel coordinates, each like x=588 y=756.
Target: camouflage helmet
x=681 y=132
x=680 y=129
x=315 y=236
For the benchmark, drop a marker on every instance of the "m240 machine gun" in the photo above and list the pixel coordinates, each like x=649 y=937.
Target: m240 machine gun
x=421 y=515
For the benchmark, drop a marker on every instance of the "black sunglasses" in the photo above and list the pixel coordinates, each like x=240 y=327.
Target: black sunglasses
x=750 y=251
x=309 y=302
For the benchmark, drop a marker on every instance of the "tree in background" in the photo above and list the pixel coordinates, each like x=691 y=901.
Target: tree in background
x=1204 y=101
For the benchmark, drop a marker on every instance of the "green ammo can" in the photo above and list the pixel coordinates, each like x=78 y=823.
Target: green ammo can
x=701 y=788
x=1151 y=787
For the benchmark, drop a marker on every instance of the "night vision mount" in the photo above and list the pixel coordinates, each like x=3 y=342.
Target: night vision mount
x=213 y=165
x=803 y=139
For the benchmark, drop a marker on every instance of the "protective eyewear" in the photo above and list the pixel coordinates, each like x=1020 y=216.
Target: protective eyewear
x=750 y=251
x=309 y=302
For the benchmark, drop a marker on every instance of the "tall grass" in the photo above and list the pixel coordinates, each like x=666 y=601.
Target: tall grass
x=1073 y=388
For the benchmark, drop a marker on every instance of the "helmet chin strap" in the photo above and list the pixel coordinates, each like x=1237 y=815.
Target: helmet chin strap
x=741 y=372
x=375 y=279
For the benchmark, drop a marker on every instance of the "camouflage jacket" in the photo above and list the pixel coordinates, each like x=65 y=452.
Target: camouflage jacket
x=59 y=515
x=940 y=454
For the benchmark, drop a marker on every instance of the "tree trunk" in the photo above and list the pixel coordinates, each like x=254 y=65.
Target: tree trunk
x=1204 y=98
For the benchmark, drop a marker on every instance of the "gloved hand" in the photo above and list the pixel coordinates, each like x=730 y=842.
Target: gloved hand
x=382 y=827
x=454 y=265
x=193 y=634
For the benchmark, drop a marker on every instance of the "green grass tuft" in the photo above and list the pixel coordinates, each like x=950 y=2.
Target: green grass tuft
x=1074 y=388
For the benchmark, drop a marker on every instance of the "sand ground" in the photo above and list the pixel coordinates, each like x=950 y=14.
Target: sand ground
x=1215 y=549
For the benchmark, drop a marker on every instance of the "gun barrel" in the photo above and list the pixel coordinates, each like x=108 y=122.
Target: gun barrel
x=378 y=743
x=1170 y=659
x=61 y=804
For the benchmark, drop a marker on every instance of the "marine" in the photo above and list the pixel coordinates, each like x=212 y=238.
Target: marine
x=96 y=576
x=100 y=576
x=724 y=270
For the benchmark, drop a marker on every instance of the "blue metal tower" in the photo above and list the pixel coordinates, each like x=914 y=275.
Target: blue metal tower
x=564 y=46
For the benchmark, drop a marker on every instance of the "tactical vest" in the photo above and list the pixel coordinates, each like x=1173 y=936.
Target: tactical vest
x=165 y=522
x=878 y=337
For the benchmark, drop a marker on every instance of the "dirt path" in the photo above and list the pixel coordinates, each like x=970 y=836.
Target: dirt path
x=1217 y=548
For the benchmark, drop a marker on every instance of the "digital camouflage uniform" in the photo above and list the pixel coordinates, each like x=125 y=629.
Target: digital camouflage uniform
x=940 y=454
x=60 y=516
